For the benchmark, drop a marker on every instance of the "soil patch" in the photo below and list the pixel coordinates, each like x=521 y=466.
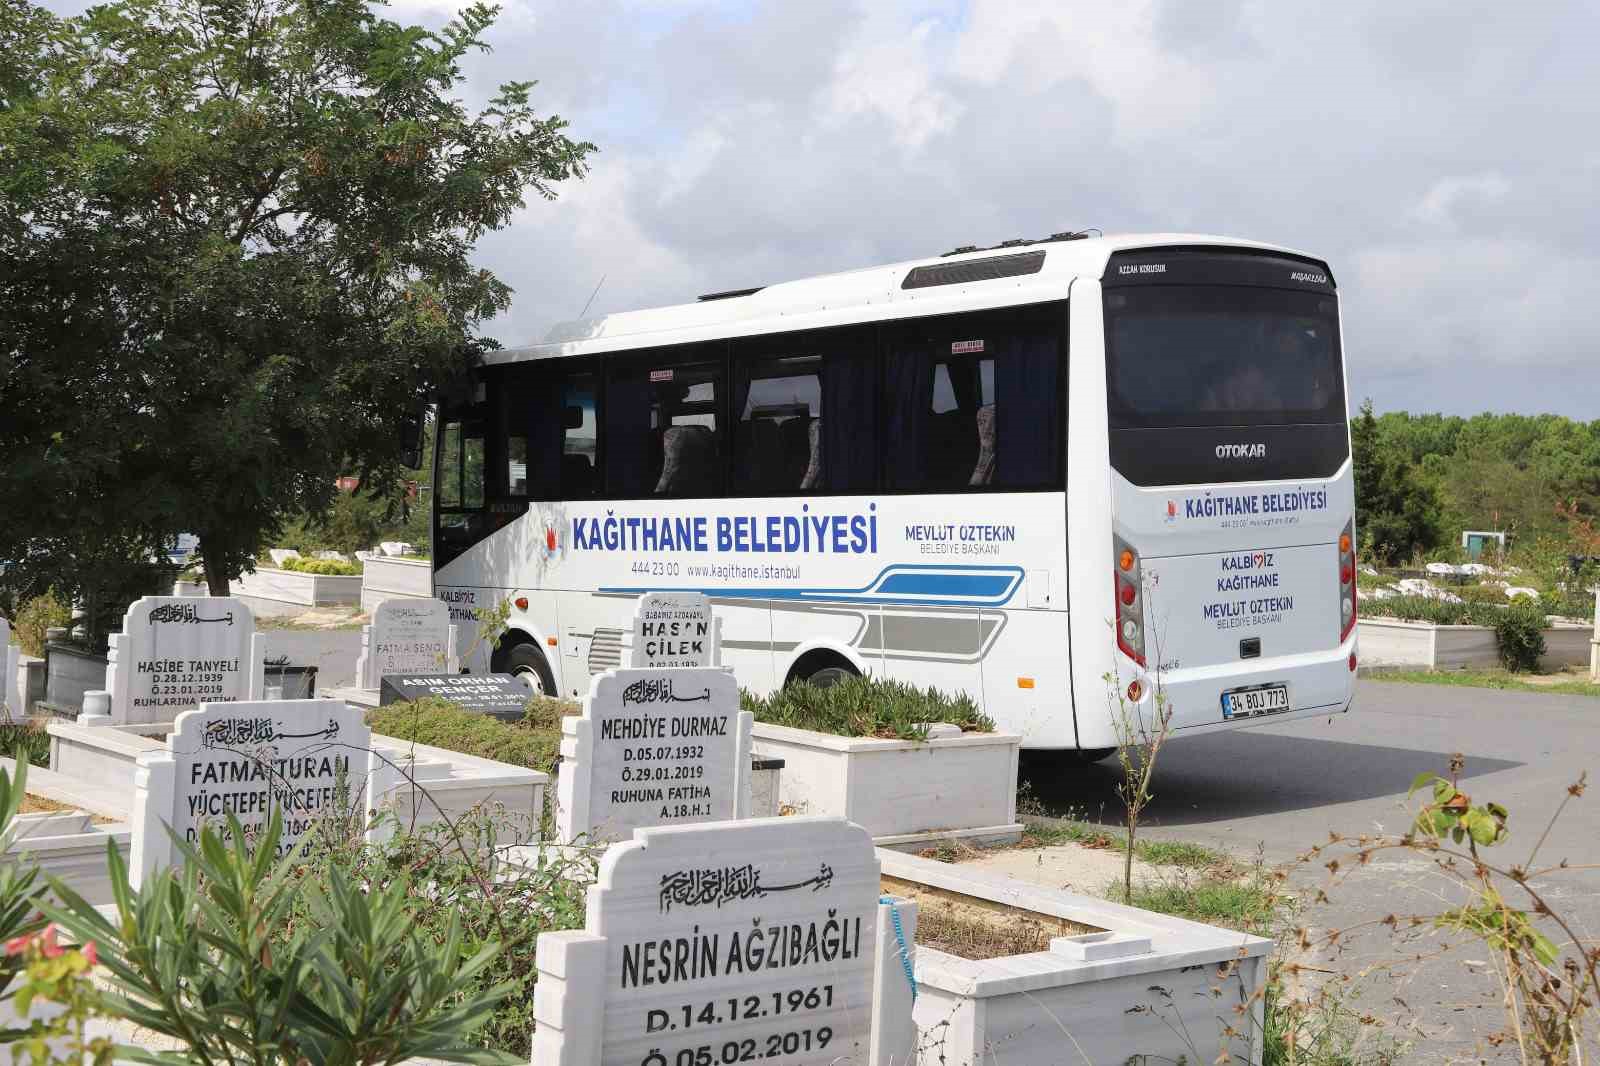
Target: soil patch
x=973 y=928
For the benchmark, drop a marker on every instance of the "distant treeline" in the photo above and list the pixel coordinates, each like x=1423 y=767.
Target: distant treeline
x=1422 y=479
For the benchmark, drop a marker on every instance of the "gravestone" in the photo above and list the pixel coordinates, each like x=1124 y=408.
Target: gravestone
x=10 y=656
x=407 y=636
x=662 y=742
x=653 y=747
x=675 y=629
x=304 y=758
x=762 y=940
x=500 y=696
x=177 y=652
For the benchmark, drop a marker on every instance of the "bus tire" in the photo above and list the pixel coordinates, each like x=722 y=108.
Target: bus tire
x=822 y=670
x=526 y=662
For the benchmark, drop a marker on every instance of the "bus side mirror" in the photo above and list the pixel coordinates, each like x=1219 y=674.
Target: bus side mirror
x=411 y=440
x=572 y=417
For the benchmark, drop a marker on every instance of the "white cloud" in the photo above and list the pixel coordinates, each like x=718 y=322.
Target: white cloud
x=1447 y=197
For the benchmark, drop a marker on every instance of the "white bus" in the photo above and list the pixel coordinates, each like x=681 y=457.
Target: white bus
x=1028 y=472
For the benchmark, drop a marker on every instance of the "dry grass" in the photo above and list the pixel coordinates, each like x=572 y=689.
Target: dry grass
x=974 y=928
x=32 y=804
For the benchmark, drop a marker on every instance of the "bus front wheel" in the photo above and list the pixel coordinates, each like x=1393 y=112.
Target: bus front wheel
x=526 y=663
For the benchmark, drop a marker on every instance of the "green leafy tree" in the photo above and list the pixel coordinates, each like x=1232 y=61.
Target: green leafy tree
x=1396 y=510
x=236 y=239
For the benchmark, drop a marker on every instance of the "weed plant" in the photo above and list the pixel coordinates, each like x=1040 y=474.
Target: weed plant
x=25 y=741
x=442 y=724
x=867 y=707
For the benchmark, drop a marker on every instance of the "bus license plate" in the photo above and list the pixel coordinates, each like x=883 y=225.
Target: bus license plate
x=1247 y=703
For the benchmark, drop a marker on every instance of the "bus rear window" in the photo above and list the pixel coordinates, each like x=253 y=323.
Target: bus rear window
x=1222 y=355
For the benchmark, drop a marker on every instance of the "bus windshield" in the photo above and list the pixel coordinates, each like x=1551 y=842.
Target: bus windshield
x=1222 y=355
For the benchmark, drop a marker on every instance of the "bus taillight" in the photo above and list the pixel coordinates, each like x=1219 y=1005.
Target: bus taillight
x=1128 y=606
x=1347 y=580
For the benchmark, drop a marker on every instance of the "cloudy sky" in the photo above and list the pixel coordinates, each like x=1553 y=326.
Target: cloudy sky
x=1440 y=154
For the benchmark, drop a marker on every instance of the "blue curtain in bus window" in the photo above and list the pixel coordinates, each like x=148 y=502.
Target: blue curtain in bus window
x=631 y=466
x=1027 y=410
x=908 y=382
x=545 y=435
x=849 y=399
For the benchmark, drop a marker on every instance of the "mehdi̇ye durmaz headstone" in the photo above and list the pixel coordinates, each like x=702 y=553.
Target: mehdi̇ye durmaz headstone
x=9 y=657
x=305 y=759
x=755 y=941
x=653 y=747
x=177 y=652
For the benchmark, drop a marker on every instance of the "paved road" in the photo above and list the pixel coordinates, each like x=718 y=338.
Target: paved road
x=1283 y=787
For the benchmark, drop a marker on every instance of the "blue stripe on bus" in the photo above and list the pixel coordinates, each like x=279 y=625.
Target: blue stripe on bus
x=934 y=585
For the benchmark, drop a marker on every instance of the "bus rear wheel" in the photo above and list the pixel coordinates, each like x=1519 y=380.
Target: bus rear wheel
x=526 y=663
x=822 y=670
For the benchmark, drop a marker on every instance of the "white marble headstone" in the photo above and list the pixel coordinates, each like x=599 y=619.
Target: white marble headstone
x=9 y=657
x=755 y=941
x=407 y=636
x=653 y=747
x=675 y=629
x=307 y=759
x=177 y=652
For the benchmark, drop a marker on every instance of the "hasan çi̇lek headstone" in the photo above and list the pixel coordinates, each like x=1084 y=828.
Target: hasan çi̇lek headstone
x=305 y=759
x=407 y=636
x=177 y=652
x=764 y=940
x=675 y=629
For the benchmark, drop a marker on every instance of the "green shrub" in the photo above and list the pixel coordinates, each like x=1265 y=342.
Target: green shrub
x=1426 y=609
x=866 y=707
x=38 y=615
x=443 y=886
x=546 y=712
x=324 y=567
x=25 y=741
x=442 y=724
x=1519 y=631
x=1482 y=594
x=1568 y=603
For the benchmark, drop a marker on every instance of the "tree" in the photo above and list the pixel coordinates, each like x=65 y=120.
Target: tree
x=1397 y=511
x=236 y=238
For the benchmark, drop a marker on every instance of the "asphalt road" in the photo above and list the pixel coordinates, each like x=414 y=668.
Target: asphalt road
x=1282 y=788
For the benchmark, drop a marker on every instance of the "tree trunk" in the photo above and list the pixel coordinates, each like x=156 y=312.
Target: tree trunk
x=216 y=577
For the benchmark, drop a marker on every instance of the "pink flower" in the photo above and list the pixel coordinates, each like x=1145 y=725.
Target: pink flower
x=47 y=942
x=90 y=954
x=18 y=944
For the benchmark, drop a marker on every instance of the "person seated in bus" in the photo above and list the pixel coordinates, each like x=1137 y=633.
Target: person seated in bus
x=688 y=461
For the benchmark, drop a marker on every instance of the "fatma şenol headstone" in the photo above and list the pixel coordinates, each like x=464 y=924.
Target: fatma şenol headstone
x=177 y=652
x=407 y=636
x=764 y=940
x=657 y=744
x=306 y=759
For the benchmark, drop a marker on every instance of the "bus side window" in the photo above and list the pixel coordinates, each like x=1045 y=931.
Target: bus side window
x=662 y=431
x=459 y=488
x=804 y=410
x=974 y=402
